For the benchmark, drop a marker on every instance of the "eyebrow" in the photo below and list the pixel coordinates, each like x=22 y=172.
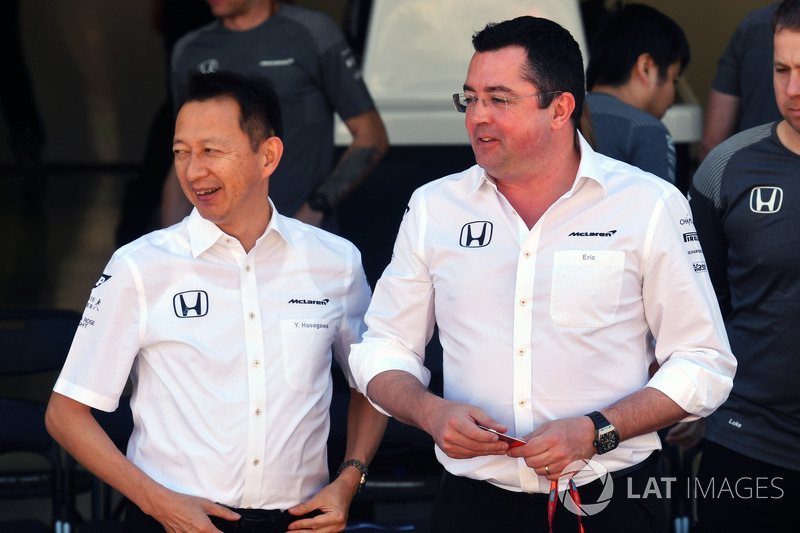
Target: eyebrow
x=492 y=89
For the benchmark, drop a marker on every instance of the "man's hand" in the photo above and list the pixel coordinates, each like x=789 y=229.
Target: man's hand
x=334 y=502
x=182 y=513
x=454 y=427
x=556 y=444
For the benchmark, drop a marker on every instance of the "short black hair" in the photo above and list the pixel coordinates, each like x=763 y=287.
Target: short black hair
x=555 y=62
x=260 y=110
x=626 y=34
x=787 y=16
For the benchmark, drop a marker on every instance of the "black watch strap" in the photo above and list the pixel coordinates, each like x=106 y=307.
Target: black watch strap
x=599 y=420
x=606 y=436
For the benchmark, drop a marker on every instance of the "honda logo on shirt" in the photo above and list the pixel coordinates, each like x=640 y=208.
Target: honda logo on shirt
x=476 y=234
x=190 y=304
x=766 y=199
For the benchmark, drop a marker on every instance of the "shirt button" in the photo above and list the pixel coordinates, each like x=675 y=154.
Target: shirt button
x=521 y=351
x=256 y=363
x=258 y=412
x=252 y=316
x=247 y=268
x=527 y=255
x=256 y=462
x=523 y=302
x=522 y=403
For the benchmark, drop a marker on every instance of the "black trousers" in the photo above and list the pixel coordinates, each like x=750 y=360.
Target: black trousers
x=252 y=521
x=737 y=493
x=468 y=506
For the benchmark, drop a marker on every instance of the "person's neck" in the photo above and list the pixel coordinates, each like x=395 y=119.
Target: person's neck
x=532 y=196
x=256 y=16
x=624 y=93
x=789 y=137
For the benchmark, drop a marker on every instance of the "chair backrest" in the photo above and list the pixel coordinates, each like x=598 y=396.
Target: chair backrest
x=35 y=341
x=33 y=347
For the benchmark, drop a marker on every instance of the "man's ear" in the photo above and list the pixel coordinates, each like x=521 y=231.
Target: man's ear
x=272 y=150
x=563 y=106
x=645 y=70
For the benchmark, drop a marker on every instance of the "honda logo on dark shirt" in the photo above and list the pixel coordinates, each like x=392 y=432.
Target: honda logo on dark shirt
x=476 y=234
x=766 y=199
x=190 y=304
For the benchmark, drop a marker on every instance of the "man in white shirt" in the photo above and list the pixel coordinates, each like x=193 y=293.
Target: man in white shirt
x=226 y=323
x=572 y=301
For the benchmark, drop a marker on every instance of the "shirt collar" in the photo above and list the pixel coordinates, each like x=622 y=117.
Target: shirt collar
x=589 y=168
x=203 y=234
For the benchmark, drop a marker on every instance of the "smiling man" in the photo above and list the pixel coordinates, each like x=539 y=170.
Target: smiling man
x=549 y=270
x=743 y=198
x=227 y=324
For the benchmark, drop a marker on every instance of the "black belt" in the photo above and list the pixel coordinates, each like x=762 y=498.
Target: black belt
x=259 y=521
x=252 y=520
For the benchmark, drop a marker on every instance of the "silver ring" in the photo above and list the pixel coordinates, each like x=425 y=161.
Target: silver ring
x=547 y=469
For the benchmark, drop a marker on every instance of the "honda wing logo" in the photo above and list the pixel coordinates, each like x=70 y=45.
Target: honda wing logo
x=190 y=304
x=766 y=200
x=476 y=234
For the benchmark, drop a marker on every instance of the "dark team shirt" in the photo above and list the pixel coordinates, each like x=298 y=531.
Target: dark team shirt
x=744 y=199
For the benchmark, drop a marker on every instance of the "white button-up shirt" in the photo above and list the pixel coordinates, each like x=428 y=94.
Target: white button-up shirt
x=555 y=321
x=229 y=353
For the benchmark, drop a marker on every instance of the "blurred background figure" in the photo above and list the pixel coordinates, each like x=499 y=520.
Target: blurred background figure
x=172 y=19
x=26 y=133
x=741 y=94
x=307 y=58
x=635 y=60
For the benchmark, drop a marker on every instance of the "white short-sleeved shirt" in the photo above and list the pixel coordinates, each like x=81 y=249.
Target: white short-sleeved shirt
x=555 y=321
x=229 y=354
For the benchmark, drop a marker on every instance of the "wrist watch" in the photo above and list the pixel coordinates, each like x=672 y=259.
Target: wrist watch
x=361 y=467
x=606 y=436
x=319 y=202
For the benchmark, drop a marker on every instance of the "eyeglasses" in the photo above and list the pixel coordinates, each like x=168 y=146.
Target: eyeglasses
x=496 y=101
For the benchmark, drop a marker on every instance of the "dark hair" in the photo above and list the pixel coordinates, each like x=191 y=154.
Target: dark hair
x=554 y=58
x=787 y=16
x=260 y=110
x=626 y=34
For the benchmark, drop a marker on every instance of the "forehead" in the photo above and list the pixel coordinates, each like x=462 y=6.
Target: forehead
x=787 y=47
x=218 y=114
x=498 y=70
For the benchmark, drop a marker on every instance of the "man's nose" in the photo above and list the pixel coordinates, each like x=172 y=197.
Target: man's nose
x=480 y=111
x=195 y=167
x=793 y=87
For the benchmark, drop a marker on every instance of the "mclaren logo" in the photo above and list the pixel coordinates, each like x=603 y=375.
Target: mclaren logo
x=190 y=304
x=766 y=200
x=592 y=233
x=208 y=66
x=309 y=302
x=476 y=234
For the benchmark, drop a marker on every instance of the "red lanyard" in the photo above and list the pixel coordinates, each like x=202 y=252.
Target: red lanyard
x=551 y=503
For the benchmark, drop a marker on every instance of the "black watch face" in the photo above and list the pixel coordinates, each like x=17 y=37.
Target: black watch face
x=606 y=441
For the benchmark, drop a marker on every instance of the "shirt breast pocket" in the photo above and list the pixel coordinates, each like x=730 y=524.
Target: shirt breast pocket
x=306 y=353
x=586 y=287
